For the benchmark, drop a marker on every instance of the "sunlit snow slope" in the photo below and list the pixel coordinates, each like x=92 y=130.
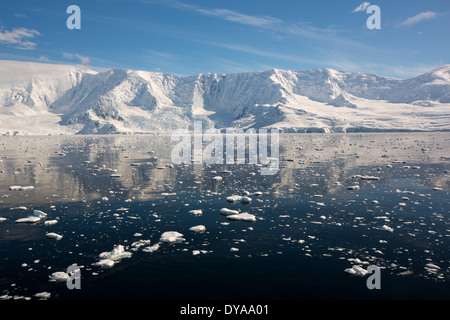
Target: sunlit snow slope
x=41 y=98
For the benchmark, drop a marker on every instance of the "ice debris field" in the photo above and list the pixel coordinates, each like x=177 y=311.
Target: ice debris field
x=138 y=226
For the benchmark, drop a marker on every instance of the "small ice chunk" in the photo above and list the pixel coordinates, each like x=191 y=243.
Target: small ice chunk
x=233 y=198
x=152 y=248
x=217 y=178
x=54 y=236
x=241 y=199
x=42 y=295
x=234 y=249
x=2 y=219
x=19 y=208
x=242 y=217
x=227 y=212
x=387 y=228
x=357 y=271
x=58 y=276
x=245 y=200
x=432 y=266
x=369 y=178
x=116 y=254
x=197 y=212
x=438 y=189
x=37 y=216
x=355 y=187
x=171 y=237
x=50 y=222
x=197 y=252
x=20 y=188
x=105 y=263
x=199 y=228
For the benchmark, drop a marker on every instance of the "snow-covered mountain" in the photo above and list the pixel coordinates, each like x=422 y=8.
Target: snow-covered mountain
x=40 y=98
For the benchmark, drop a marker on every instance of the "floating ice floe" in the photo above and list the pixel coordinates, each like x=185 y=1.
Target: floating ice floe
x=141 y=243
x=105 y=263
x=2 y=219
x=199 y=228
x=50 y=222
x=369 y=178
x=197 y=212
x=234 y=249
x=19 y=208
x=227 y=212
x=115 y=254
x=152 y=248
x=59 y=276
x=438 y=189
x=357 y=271
x=171 y=237
x=386 y=228
x=355 y=187
x=242 y=217
x=432 y=266
x=42 y=295
x=217 y=178
x=54 y=236
x=241 y=199
x=20 y=188
x=37 y=216
x=197 y=252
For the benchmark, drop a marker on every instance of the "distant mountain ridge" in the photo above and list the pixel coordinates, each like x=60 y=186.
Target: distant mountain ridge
x=40 y=98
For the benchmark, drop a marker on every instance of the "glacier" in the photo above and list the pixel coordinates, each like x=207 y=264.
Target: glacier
x=44 y=98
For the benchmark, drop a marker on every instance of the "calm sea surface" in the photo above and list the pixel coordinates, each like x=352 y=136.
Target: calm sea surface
x=106 y=191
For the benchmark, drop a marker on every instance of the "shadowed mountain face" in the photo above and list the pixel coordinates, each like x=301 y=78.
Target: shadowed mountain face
x=40 y=98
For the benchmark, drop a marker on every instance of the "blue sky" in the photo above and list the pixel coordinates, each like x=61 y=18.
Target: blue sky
x=189 y=37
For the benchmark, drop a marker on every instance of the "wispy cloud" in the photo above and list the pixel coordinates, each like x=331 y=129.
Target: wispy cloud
x=428 y=15
x=230 y=15
x=362 y=7
x=265 y=53
x=71 y=56
x=265 y=23
x=19 y=38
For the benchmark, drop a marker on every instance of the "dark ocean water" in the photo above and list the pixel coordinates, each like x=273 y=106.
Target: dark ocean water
x=309 y=226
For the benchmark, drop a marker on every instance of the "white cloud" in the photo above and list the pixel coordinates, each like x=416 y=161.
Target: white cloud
x=428 y=15
x=230 y=15
x=362 y=7
x=83 y=60
x=18 y=37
